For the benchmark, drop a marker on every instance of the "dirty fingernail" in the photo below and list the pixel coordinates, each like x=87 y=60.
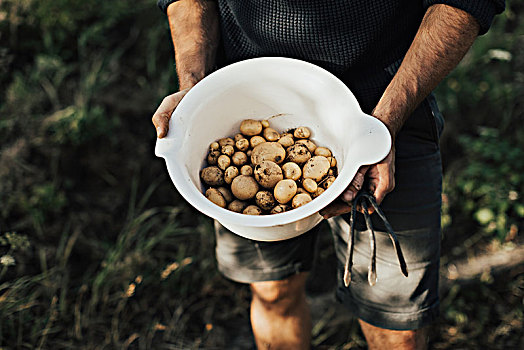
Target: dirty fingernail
x=348 y=196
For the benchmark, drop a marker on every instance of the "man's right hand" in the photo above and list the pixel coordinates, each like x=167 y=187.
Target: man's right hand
x=164 y=111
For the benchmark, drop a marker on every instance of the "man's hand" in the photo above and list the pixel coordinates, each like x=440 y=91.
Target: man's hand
x=164 y=111
x=381 y=181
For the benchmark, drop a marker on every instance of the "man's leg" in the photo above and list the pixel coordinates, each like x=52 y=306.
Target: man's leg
x=280 y=315
x=379 y=338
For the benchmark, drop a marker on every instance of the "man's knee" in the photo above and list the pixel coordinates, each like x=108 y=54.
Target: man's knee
x=280 y=296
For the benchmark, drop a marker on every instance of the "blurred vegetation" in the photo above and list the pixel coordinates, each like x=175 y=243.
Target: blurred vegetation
x=97 y=249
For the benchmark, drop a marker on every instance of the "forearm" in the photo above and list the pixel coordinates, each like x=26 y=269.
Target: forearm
x=195 y=34
x=444 y=36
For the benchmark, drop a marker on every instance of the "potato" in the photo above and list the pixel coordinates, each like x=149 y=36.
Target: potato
x=285 y=190
x=302 y=132
x=281 y=208
x=323 y=151
x=216 y=197
x=311 y=146
x=228 y=150
x=300 y=200
x=291 y=171
x=265 y=123
x=250 y=127
x=244 y=187
x=286 y=141
x=214 y=146
x=226 y=141
x=212 y=176
x=328 y=181
x=265 y=200
x=226 y=193
x=246 y=170
x=332 y=161
x=242 y=145
x=252 y=210
x=317 y=192
x=301 y=190
x=271 y=134
x=223 y=161
x=212 y=157
x=268 y=173
x=230 y=173
x=309 y=185
x=272 y=151
x=238 y=137
x=239 y=158
x=256 y=140
x=298 y=153
x=237 y=206
x=316 y=168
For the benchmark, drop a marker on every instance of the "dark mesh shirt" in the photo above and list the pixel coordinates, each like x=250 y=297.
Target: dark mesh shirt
x=358 y=40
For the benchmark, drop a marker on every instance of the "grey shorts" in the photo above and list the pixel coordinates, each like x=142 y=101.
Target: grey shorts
x=413 y=209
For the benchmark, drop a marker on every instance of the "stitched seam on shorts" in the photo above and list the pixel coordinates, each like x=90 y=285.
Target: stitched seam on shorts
x=361 y=304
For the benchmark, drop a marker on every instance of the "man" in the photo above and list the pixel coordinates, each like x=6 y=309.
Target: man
x=391 y=54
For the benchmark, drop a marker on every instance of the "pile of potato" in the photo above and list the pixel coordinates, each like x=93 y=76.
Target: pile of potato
x=260 y=171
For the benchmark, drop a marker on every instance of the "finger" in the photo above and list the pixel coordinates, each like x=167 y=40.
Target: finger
x=334 y=209
x=356 y=184
x=383 y=188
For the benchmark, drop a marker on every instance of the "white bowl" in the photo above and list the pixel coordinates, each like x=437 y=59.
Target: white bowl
x=290 y=93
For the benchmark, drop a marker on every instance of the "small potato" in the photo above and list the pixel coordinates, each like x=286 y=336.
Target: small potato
x=286 y=141
x=323 y=151
x=268 y=173
x=212 y=176
x=281 y=208
x=242 y=145
x=318 y=192
x=272 y=151
x=226 y=141
x=265 y=123
x=237 y=206
x=238 y=137
x=212 y=157
x=300 y=200
x=239 y=158
x=250 y=127
x=228 y=150
x=226 y=193
x=271 y=134
x=265 y=200
x=230 y=173
x=328 y=181
x=249 y=152
x=256 y=140
x=311 y=146
x=298 y=154
x=285 y=190
x=302 y=132
x=301 y=190
x=316 y=168
x=309 y=185
x=216 y=197
x=214 y=146
x=332 y=161
x=252 y=210
x=244 y=187
x=246 y=170
x=291 y=171
x=223 y=161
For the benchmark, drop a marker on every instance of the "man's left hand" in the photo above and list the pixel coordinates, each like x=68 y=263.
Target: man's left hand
x=381 y=180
